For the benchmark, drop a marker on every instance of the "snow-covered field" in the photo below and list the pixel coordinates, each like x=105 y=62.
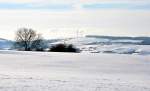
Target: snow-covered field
x=117 y=49
x=101 y=45
x=35 y=71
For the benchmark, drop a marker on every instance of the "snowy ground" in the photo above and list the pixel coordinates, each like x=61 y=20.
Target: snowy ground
x=31 y=71
x=117 y=49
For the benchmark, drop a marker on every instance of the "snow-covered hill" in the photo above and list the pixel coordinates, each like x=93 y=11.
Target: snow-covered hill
x=5 y=44
x=119 y=45
x=105 y=40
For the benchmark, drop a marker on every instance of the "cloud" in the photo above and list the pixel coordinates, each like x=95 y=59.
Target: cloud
x=103 y=22
x=32 y=6
x=128 y=17
x=74 y=4
x=35 y=4
x=130 y=6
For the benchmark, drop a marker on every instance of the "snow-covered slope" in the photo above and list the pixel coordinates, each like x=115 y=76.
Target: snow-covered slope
x=108 y=45
x=35 y=71
x=5 y=44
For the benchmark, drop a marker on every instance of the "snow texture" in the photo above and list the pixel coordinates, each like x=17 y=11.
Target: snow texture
x=36 y=71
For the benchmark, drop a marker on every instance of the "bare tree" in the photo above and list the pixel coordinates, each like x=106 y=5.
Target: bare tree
x=39 y=44
x=25 y=37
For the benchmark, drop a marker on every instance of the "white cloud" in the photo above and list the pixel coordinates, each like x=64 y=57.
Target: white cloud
x=103 y=22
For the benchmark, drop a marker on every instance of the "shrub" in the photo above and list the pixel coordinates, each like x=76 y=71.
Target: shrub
x=38 y=45
x=63 y=48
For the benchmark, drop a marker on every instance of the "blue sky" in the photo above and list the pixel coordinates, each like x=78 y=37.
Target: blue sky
x=64 y=17
x=29 y=6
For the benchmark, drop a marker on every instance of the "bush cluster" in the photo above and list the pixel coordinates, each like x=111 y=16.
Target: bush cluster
x=63 y=48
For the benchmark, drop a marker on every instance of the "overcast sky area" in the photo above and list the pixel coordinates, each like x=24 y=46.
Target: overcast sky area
x=63 y=18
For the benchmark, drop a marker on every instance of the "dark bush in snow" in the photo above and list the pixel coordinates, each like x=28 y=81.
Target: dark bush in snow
x=63 y=48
